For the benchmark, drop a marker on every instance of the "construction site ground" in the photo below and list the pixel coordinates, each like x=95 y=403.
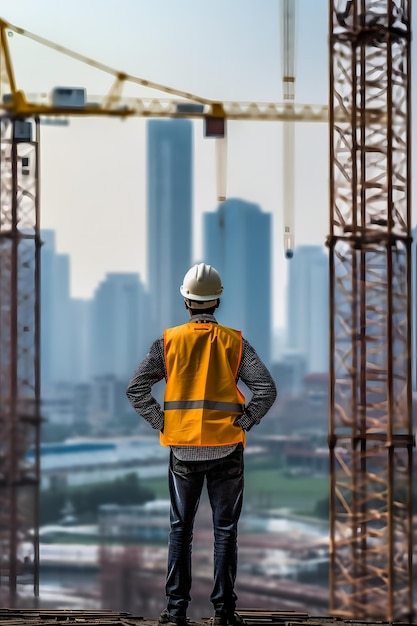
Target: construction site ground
x=252 y=617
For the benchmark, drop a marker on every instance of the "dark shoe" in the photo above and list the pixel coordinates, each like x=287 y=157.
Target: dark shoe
x=166 y=618
x=227 y=620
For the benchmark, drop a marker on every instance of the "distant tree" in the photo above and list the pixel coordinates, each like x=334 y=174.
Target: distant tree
x=87 y=498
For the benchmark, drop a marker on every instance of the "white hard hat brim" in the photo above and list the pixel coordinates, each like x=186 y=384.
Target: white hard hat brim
x=190 y=296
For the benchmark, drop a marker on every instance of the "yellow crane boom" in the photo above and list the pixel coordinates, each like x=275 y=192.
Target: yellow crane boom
x=14 y=101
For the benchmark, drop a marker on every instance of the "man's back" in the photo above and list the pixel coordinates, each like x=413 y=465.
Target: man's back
x=202 y=400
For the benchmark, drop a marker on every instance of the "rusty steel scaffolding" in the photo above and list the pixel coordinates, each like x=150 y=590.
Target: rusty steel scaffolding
x=370 y=419
x=19 y=360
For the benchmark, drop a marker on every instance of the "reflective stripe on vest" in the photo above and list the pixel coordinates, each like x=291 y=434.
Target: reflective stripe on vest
x=203 y=404
x=202 y=400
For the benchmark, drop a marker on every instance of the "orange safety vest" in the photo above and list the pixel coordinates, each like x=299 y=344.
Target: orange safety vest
x=202 y=399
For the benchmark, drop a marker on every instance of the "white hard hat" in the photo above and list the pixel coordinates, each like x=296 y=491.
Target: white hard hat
x=202 y=283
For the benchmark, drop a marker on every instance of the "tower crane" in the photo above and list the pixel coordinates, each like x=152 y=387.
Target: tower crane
x=370 y=431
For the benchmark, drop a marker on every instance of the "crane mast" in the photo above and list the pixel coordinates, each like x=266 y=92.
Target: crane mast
x=19 y=358
x=370 y=419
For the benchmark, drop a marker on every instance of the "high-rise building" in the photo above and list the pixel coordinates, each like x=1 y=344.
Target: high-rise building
x=237 y=242
x=79 y=357
x=169 y=214
x=55 y=313
x=307 y=307
x=118 y=325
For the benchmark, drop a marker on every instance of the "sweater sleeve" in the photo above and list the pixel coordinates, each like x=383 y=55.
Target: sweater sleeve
x=256 y=376
x=139 y=390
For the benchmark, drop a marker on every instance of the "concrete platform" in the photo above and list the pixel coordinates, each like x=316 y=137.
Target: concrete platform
x=253 y=617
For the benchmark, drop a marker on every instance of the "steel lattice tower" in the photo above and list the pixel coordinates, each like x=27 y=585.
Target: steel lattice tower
x=19 y=359
x=370 y=429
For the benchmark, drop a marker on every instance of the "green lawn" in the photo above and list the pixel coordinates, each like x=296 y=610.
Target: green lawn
x=272 y=488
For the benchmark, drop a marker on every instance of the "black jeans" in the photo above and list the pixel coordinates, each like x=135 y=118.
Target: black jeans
x=225 y=478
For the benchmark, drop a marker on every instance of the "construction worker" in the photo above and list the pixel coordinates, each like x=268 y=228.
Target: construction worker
x=204 y=421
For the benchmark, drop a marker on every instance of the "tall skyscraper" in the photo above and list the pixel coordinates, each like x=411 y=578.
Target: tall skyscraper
x=80 y=358
x=307 y=307
x=169 y=217
x=237 y=242
x=55 y=313
x=117 y=326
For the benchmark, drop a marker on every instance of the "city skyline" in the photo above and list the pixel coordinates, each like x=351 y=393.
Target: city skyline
x=288 y=344
x=108 y=333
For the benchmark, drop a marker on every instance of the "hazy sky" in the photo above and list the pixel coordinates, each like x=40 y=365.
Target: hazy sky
x=93 y=178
